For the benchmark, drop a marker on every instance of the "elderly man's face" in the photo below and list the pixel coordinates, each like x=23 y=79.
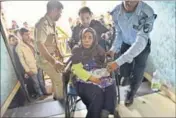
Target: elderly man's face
x=130 y=5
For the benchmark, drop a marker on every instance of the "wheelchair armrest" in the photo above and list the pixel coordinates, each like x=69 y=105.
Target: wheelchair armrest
x=68 y=66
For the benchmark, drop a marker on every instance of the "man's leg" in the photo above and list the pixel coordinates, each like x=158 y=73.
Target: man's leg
x=56 y=79
x=125 y=69
x=36 y=84
x=138 y=72
x=41 y=81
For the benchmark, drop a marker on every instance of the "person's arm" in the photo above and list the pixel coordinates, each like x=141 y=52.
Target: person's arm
x=117 y=41
x=139 y=45
x=72 y=40
x=101 y=55
x=80 y=72
x=102 y=28
x=41 y=36
x=22 y=60
x=105 y=33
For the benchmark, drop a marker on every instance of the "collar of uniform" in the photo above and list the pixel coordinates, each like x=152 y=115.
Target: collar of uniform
x=138 y=8
x=137 y=11
x=51 y=23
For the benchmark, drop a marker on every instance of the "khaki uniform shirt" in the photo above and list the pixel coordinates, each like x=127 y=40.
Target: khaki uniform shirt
x=45 y=32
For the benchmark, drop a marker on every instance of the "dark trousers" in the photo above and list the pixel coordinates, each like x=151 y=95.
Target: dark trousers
x=97 y=99
x=38 y=83
x=135 y=70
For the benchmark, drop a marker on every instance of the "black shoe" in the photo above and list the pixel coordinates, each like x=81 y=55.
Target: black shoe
x=60 y=100
x=48 y=94
x=129 y=100
x=54 y=98
x=116 y=115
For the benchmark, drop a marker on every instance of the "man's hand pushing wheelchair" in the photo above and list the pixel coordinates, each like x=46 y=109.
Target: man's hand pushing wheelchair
x=111 y=65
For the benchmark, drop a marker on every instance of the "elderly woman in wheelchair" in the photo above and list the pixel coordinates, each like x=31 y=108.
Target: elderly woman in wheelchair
x=93 y=83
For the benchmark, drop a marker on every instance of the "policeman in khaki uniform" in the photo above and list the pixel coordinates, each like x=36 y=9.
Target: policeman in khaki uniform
x=133 y=23
x=46 y=46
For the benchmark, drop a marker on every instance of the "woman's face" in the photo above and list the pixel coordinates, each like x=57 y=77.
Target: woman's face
x=87 y=40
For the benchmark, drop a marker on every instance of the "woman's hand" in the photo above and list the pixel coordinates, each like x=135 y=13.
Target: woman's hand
x=94 y=80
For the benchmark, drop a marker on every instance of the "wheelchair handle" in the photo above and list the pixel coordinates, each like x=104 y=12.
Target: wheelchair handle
x=67 y=67
x=108 y=59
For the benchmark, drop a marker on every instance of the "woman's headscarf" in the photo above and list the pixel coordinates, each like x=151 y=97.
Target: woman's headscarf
x=81 y=54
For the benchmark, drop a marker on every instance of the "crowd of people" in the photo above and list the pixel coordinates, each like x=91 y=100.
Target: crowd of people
x=22 y=48
x=91 y=41
x=21 y=42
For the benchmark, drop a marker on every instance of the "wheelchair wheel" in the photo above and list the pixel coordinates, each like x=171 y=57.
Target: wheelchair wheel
x=70 y=106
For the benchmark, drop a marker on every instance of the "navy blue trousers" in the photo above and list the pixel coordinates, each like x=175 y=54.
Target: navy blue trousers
x=97 y=99
x=135 y=70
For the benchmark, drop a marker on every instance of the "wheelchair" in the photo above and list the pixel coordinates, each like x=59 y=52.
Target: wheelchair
x=71 y=97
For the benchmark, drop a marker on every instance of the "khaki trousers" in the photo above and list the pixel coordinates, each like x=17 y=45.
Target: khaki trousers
x=56 y=79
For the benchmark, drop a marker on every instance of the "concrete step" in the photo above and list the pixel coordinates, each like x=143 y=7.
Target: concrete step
x=48 y=107
x=40 y=109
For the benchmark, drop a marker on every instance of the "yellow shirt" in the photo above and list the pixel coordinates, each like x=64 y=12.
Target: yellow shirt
x=26 y=57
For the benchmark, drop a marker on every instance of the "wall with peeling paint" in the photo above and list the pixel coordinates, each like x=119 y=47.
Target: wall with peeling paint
x=163 y=37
